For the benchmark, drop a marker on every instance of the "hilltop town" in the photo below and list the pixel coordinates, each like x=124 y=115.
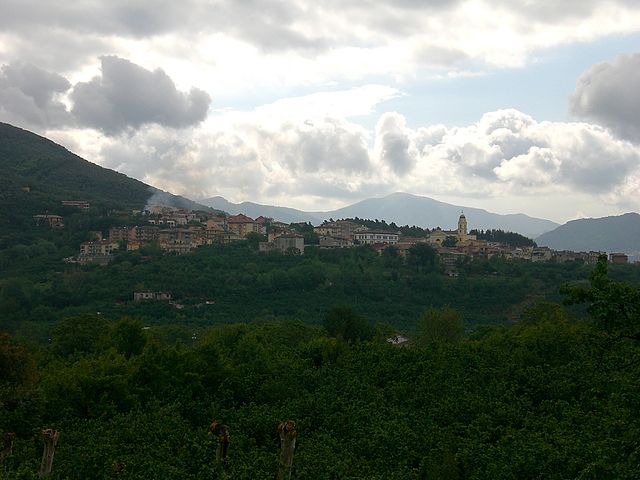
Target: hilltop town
x=180 y=231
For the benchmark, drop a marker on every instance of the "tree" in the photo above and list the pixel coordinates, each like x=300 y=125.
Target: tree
x=254 y=238
x=78 y=334
x=343 y=322
x=423 y=257
x=440 y=325
x=614 y=306
x=128 y=337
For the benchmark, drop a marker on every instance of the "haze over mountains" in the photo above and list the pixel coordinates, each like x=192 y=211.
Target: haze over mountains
x=401 y=208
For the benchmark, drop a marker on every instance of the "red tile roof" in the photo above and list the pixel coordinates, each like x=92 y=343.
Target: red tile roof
x=241 y=218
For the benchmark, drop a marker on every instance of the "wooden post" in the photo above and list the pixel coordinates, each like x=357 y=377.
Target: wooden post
x=117 y=468
x=224 y=438
x=50 y=438
x=7 y=446
x=288 y=435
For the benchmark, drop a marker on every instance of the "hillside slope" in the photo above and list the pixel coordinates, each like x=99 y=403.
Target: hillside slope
x=53 y=174
x=38 y=174
x=611 y=234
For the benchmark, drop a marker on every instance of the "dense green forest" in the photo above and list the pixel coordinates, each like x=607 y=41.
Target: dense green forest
x=553 y=396
x=221 y=284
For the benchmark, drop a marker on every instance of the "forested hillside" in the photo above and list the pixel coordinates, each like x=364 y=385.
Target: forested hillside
x=38 y=174
x=235 y=283
x=53 y=174
x=552 y=397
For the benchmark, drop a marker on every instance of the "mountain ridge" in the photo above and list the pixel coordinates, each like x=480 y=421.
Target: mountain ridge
x=401 y=208
x=615 y=233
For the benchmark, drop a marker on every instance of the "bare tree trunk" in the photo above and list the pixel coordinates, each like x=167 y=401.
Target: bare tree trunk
x=224 y=438
x=288 y=435
x=50 y=438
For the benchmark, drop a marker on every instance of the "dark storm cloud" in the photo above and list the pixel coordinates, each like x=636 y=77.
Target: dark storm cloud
x=128 y=96
x=268 y=23
x=117 y=17
x=28 y=96
x=610 y=95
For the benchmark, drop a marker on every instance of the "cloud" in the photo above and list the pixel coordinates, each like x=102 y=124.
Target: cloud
x=439 y=56
x=508 y=151
x=346 y=39
x=126 y=96
x=337 y=104
x=322 y=145
x=610 y=95
x=30 y=96
x=393 y=145
x=505 y=154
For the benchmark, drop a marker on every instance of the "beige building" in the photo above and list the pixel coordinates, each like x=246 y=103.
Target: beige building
x=99 y=247
x=370 y=237
x=242 y=225
x=287 y=242
x=461 y=235
x=618 y=258
x=339 y=228
x=54 y=221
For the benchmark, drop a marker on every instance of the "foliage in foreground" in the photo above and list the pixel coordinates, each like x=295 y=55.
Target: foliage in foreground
x=551 y=397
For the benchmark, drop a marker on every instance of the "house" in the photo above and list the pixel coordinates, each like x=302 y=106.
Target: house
x=398 y=339
x=287 y=242
x=54 y=221
x=618 y=258
x=119 y=234
x=339 y=229
x=144 y=234
x=263 y=222
x=242 y=225
x=98 y=247
x=140 y=296
x=541 y=254
x=370 y=237
x=334 y=242
x=181 y=240
x=438 y=236
x=82 y=205
x=98 y=252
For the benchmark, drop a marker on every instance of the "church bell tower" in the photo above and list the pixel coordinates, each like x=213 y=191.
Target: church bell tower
x=462 y=227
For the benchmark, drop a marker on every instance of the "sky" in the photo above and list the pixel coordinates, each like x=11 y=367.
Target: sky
x=516 y=106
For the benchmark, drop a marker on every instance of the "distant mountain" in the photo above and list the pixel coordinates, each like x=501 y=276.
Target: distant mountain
x=282 y=214
x=401 y=208
x=610 y=234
